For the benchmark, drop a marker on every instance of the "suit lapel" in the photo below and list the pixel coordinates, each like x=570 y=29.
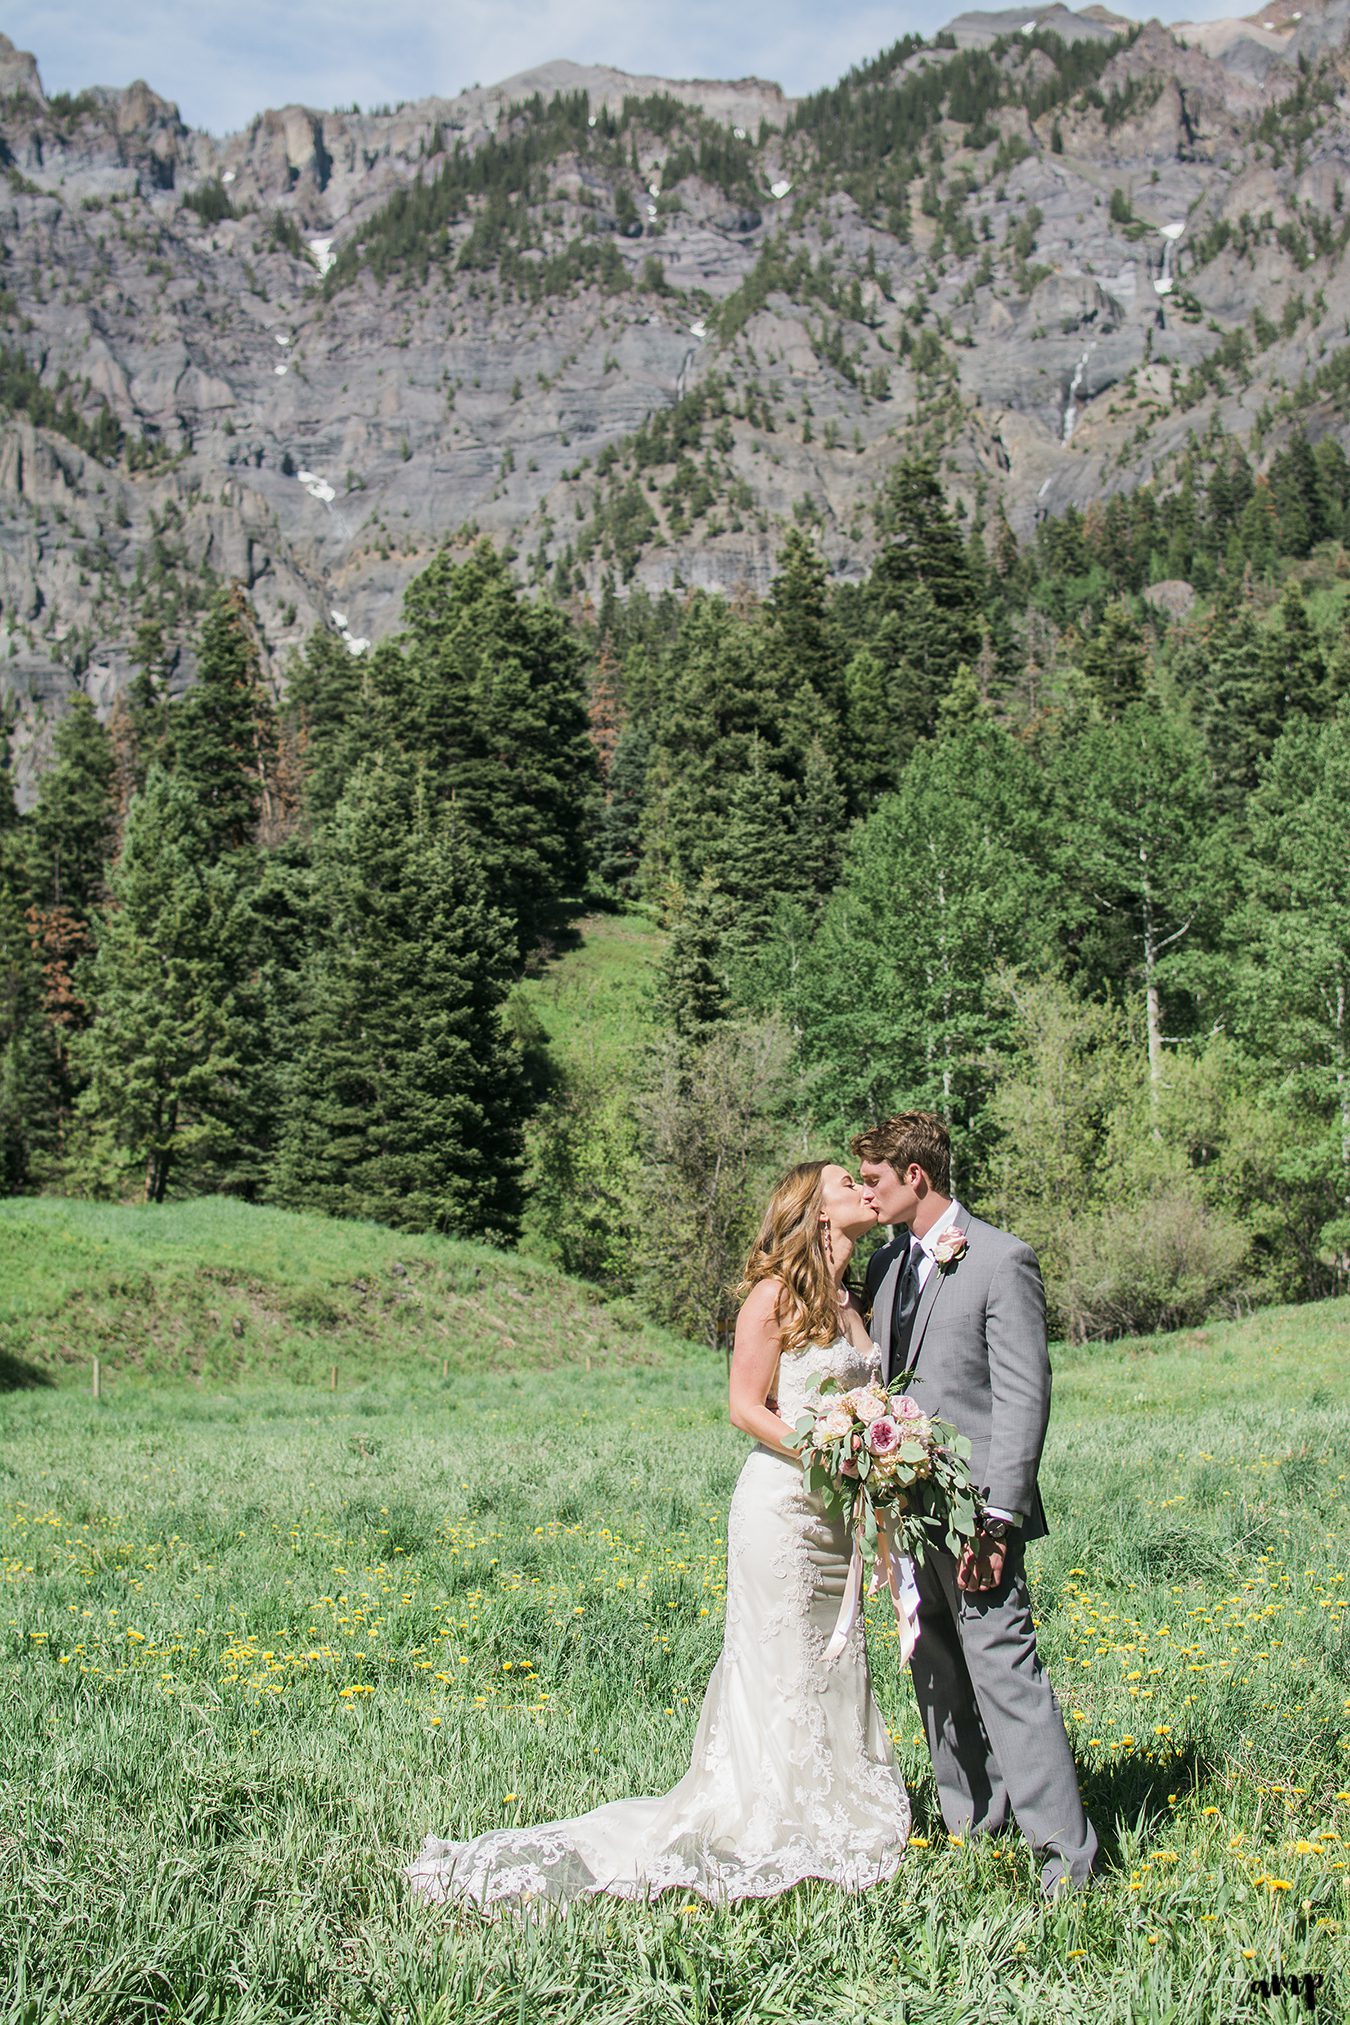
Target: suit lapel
x=932 y=1287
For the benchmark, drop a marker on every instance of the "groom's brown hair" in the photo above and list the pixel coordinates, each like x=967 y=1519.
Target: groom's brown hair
x=917 y=1138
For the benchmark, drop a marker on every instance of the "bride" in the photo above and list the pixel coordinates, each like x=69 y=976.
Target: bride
x=792 y=1774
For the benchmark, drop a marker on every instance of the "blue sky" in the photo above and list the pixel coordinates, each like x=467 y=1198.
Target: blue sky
x=224 y=60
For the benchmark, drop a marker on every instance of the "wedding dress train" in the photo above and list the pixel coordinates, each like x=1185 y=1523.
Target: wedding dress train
x=792 y=1774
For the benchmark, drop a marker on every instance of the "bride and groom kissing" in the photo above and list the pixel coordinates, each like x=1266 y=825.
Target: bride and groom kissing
x=792 y=1773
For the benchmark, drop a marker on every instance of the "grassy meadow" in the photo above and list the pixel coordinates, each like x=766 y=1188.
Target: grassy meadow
x=258 y=1637
x=592 y=999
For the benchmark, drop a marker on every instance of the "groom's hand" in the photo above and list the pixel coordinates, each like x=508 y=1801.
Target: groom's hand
x=981 y=1566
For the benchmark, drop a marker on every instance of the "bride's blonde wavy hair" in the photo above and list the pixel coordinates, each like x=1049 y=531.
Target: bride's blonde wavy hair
x=791 y=1247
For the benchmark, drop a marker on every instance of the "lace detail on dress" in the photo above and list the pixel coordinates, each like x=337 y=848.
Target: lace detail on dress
x=791 y=1775
x=801 y=1373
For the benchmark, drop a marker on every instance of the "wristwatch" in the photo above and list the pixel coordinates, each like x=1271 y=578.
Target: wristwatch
x=996 y=1530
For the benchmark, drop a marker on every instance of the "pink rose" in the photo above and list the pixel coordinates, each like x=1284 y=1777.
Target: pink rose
x=907 y=1409
x=951 y=1246
x=883 y=1436
x=869 y=1402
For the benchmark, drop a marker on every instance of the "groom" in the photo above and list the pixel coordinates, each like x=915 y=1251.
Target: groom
x=963 y=1303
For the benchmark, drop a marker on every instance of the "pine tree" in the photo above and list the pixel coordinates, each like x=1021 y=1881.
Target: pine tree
x=70 y=838
x=1230 y=487
x=406 y=1099
x=325 y=718
x=1333 y=473
x=9 y=809
x=223 y=733
x=1237 y=686
x=1296 y=489
x=485 y=690
x=876 y=745
x=925 y=597
x=801 y=640
x=1260 y=535
x=25 y=1051
x=1298 y=670
x=74 y=821
x=721 y=704
x=619 y=830
x=751 y=859
x=819 y=831
x=138 y=723
x=1115 y=659
x=692 y=994
x=172 y=1056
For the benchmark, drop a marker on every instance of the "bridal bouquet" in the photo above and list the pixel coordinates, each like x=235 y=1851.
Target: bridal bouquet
x=899 y=1479
x=877 y=1459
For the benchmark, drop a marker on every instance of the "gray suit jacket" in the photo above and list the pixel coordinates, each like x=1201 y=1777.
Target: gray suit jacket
x=979 y=1346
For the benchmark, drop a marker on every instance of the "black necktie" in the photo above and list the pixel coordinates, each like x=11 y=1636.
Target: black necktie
x=906 y=1306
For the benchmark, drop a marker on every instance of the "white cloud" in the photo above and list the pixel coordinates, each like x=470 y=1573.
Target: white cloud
x=225 y=60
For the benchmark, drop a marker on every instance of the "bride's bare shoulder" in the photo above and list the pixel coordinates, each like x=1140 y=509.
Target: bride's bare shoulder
x=759 y=1309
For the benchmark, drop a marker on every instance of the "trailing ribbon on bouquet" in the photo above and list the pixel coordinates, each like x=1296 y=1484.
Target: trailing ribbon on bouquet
x=890 y=1571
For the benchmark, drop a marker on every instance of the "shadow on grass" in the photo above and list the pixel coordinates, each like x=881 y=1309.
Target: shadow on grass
x=1128 y=1795
x=16 y=1376
x=1131 y=1793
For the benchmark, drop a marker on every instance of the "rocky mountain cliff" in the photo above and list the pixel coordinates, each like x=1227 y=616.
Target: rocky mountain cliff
x=633 y=327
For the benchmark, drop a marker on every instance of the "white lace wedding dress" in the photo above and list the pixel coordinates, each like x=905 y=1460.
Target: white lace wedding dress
x=792 y=1774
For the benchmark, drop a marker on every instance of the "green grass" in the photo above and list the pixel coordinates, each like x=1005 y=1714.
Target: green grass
x=592 y=999
x=257 y=1639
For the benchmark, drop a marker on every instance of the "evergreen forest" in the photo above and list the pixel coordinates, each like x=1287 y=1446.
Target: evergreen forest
x=1050 y=834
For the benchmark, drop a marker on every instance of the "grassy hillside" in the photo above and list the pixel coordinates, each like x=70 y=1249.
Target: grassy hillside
x=218 y=1291
x=257 y=1639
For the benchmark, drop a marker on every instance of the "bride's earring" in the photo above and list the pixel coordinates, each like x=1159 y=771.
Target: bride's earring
x=829 y=1241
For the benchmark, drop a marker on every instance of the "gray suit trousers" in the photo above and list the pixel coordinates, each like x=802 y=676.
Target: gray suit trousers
x=992 y=1722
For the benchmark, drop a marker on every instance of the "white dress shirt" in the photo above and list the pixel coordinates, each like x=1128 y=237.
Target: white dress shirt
x=928 y=1242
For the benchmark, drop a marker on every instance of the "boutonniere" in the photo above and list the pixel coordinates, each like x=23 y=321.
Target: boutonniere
x=951 y=1246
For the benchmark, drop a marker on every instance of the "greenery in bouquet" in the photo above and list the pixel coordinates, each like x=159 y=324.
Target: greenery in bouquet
x=877 y=1459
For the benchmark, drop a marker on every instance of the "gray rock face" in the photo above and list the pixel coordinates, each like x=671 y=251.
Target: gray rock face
x=19 y=73
x=977 y=30
x=1047 y=338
